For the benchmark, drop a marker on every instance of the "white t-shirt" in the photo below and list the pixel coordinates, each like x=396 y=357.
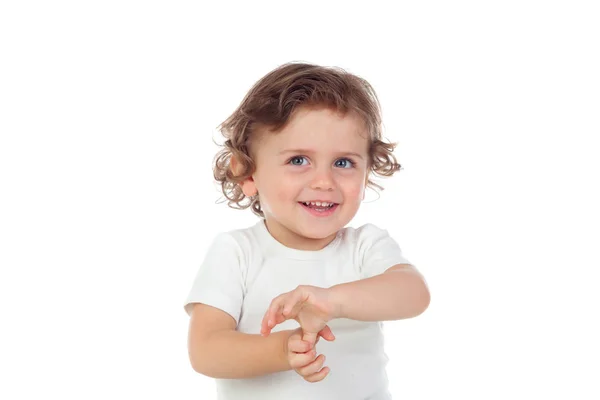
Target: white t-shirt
x=245 y=269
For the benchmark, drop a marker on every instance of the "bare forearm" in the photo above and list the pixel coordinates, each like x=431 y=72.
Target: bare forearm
x=393 y=295
x=232 y=354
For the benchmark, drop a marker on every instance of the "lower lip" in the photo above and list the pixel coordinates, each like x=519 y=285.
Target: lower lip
x=316 y=213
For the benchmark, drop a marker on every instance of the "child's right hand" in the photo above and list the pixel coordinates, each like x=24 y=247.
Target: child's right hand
x=302 y=357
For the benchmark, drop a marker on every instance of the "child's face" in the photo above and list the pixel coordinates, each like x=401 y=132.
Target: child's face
x=319 y=156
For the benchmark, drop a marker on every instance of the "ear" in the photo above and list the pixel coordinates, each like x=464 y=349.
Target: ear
x=248 y=186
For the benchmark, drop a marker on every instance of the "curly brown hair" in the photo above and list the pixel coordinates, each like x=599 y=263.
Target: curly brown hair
x=271 y=103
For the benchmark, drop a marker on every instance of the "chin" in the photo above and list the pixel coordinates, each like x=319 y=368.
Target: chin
x=317 y=233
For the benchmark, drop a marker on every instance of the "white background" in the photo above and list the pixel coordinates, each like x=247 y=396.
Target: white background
x=107 y=115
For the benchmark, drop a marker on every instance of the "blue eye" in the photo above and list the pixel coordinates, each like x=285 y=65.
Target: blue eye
x=297 y=160
x=344 y=163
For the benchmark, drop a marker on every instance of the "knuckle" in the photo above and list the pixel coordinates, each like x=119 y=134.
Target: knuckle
x=320 y=363
x=296 y=362
x=313 y=367
x=319 y=376
x=305 y=370
x=302 y=369
x=294 y=346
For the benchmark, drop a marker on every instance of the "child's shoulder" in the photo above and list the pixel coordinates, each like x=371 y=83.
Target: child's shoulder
x=364 y=231
x=235 y=233
x=364 y=236
x=247 y=238
x=242 y=237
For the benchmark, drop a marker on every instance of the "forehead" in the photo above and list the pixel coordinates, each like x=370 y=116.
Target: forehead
x=320 y=129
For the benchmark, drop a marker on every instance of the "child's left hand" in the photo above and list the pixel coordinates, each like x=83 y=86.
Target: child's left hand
x=311 y=306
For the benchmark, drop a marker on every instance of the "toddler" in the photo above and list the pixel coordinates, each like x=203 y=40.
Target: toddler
x=299 y=151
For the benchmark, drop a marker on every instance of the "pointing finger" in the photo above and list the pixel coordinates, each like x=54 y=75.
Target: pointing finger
x=310 y=337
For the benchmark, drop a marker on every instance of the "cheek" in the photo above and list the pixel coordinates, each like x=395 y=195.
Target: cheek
x=286 y=190
x=276 y=190
x=354 y=190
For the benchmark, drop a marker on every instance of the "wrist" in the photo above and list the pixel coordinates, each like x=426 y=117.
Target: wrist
x=336 y=296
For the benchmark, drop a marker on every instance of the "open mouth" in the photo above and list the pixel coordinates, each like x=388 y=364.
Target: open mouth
x=320 y=208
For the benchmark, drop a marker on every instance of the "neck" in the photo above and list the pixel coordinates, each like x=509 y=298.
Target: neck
x=294 y=240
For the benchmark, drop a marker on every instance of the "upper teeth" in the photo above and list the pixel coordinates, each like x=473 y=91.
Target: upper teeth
x=318 y=203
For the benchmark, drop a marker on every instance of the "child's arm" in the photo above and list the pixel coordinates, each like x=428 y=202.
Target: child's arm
x=217 y=350
x=400 y=292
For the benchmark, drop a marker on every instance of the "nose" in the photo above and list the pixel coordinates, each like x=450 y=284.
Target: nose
x=322 y=180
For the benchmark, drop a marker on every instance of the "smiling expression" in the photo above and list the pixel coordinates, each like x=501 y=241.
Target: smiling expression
x=310 y=176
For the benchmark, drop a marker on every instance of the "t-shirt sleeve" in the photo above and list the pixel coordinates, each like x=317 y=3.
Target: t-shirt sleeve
x=378 y=251
x=219 y=281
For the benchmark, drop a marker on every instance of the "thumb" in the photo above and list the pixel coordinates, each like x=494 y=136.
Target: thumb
x=327 y=334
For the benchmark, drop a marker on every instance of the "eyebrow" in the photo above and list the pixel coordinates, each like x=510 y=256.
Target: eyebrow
x=306 y=151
